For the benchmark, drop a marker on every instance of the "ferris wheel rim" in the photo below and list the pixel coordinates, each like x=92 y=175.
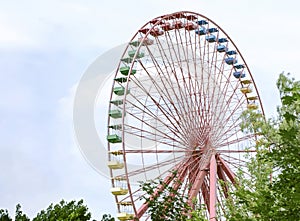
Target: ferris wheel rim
x=131 y=67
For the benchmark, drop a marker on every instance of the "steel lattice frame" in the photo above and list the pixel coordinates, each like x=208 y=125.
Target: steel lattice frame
x=179 y=110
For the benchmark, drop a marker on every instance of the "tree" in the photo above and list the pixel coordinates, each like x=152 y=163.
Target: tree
x=64 y=211
x=107 y=217
x=4 y=216
x=165 y=201
x=19 y=214
x=260 y=196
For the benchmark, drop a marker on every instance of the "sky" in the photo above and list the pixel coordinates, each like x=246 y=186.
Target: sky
x=46 y=47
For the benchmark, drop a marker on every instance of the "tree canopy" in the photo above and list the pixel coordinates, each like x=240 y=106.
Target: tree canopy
x=62 y=211
x=272 y=192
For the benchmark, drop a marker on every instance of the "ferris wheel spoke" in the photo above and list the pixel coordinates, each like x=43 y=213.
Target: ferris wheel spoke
x=200 y=86
x=156 y=151
x=238 y=140
x=189 y=85
x=235 y=123
x=237 y=161
x=155 y=166
x=193 y=67
x=236 y=151
x=220 y=71
x=229 y=131
x=226 y=169
x=231 y=159
x=224 y=90
x=212 y=61
x=237 y=167
x=184 y=107
x=193 y=88
x=225 y=109
x=167 y=112
x=215 y=101
x=222 y=85
x=193 y=169
x=164 y=94
x=169 y=143
x=156 y=117
x=173 y=106
x=187 y=59
x=178 y=60
x=171 y=86
x=152 y=136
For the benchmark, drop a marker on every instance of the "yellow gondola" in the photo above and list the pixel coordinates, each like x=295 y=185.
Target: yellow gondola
x=115 y=165
x=246 y=81
x=125 y=216
x=252 y=106
x=126 y=203
x=252 y=98
x=246 y=90
x=116 y=152
x=118 y=191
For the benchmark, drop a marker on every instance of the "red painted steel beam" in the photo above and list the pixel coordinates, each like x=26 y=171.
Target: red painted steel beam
x=205 y=194
x=212 y=188
x=227 y=170
x=222 y=176
x=197 y=185
x=193 y=168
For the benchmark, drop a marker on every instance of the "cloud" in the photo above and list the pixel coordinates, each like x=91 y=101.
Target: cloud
x=14 y=36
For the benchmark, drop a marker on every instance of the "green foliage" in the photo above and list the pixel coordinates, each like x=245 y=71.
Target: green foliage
x=198 y=212
x=262 y=198
x=4 y=216
x=107 y=217
x=64 y=211
x=19 y=214
x=166 y=202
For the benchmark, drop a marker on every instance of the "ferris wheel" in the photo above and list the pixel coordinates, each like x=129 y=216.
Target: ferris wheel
x=176 y=103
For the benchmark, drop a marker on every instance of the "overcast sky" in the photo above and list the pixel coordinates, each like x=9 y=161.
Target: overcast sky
x=45 y=48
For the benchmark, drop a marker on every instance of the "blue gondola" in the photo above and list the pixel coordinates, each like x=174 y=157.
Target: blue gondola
x=211 y=30
x=202 y=22
x=239 y=66
x=201 y=31
x=221 y=48
x=222 y=40
x=231 y=52
x=210 y=38
x=230 y=60
x=239 y=74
